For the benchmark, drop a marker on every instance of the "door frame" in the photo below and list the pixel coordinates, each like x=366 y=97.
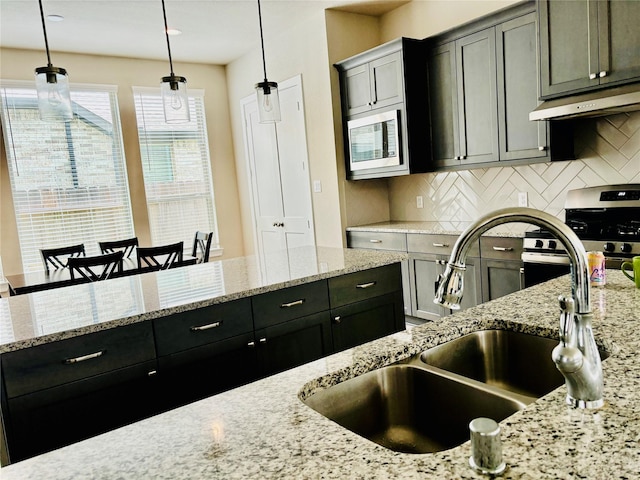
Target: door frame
x=292 y=82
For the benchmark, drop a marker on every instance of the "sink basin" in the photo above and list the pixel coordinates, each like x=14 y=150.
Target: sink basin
x=513 y=361
x=409 y=409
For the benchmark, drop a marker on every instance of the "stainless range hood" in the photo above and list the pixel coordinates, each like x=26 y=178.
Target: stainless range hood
x=593 y=104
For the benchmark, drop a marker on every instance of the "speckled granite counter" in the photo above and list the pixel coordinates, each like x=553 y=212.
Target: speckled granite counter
x=441 y=228
x=41 y=317
x=264 y=431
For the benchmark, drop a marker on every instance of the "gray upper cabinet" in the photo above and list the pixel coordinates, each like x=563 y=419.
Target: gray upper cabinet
x=518 y=90
x=376 y=84
x=586 y=44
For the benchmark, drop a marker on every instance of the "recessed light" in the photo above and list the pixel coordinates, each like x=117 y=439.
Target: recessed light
x=174 y=31
x=55 y=18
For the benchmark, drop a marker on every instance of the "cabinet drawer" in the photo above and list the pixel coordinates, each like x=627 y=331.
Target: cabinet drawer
x=378 y=240
x=438 y=244
x=289 y=303
x=65 y=361
x=501 y=248
x=202 y=326
x=365 y=284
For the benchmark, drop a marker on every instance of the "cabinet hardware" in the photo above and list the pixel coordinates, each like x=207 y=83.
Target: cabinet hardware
x=278 y=224
x=365 y=285
x=440 y=245
x=292 y=304
x=592 y=76
x=541 y=148
x=251 y=344
x=374 y=240
x=503 y=249
x=206 y=327
x=603 y=74
x=263 y=340
x=151 y=373
x=82 y=358
x=337 y=319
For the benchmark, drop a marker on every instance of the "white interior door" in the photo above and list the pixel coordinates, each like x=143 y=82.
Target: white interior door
x=278 y=165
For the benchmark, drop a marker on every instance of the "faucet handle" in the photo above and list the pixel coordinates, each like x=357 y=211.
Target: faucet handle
x=567 y=310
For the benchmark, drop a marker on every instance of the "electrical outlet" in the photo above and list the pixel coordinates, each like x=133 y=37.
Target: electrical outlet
x=523 y=199
x=419 y=202
x=317 y=186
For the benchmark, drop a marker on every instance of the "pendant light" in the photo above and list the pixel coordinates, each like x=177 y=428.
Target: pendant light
x=267 y=92
x=52 y=86
x=175 y=100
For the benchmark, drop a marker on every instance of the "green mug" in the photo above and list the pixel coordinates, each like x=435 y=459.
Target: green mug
x=634 y=265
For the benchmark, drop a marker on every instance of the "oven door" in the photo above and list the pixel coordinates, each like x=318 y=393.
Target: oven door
x=540 y=267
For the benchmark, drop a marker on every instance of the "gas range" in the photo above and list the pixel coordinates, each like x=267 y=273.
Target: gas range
x=605 y=218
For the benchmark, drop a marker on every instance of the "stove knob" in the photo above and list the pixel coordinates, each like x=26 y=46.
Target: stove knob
x=609 y=247
x=625 y=248
x=539 y=243
x=552 y=244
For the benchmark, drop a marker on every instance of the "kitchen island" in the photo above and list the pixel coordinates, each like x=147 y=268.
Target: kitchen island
x=263 y=430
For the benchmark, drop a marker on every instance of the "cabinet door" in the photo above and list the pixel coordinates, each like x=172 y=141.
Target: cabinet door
x=293 y=343
x=500 y=277
x=477 y=102
x=443 y=103
x=568 y=53
x=619 y=40
x=424 y=271
x=357 y=90
x=518 y=90
x=368 y=320
x=385 y=75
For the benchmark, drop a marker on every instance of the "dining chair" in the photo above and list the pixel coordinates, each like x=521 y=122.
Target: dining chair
x=202 y=246
x=159 y=258
x=100 y=267
x=57 y=258
x=126 y=246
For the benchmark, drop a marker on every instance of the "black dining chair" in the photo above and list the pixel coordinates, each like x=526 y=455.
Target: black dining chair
x=100 y=267
x=126 y=246
x=202 y=246
x=161 y=257
x=57 y=258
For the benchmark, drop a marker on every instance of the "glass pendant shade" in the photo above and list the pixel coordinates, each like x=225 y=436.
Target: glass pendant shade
x=54 y=98
x=175 y=100
x=268 y=102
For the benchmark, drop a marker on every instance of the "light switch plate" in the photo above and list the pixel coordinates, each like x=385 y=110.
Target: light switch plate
x=419 y=202
x=317 y=186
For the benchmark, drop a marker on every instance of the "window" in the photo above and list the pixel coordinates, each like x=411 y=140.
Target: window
x=176 y=170
x=68 y=180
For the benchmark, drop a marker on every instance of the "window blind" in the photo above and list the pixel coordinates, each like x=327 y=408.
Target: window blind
x=176 y=170
x=68 y=180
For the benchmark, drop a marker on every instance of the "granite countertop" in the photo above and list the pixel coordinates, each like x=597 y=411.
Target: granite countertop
x=263 y=430
x=41 y=317
x=514 y=229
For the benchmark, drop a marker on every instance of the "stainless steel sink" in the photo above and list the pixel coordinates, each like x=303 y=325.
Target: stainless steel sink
x=409 y=409
x=513 y=361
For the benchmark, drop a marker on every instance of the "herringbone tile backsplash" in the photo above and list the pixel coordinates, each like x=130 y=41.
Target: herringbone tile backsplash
x=607 y=150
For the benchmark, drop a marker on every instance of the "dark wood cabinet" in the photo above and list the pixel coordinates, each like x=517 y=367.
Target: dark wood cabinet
x=586 y=44
x=62 y=392
x=501 y=265
x=390 y=77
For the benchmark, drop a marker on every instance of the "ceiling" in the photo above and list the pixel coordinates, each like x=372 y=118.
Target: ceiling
x=214 y=31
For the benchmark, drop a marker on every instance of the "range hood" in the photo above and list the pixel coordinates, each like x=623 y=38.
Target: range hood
x=593 y=104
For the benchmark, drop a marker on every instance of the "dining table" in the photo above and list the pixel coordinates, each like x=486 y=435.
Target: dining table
x=40 y=280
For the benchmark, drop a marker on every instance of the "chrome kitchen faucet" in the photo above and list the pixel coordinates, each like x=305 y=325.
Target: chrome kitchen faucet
x=576 y=356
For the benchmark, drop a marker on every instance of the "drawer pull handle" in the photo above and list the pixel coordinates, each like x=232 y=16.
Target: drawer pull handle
x=152 y=373
x=263 y=340
x=503 y=249
x=251 y=344
x=375 y=240
x=365 y=285
x=69 y=361
x=292 y=304
x=337 y=319
x=200 y=328
x=441 y=245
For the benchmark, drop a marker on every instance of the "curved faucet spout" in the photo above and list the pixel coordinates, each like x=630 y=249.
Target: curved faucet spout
x=577 y=356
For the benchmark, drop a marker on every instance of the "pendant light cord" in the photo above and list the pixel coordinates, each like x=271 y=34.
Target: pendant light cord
x=166 y=32
x=264 y=62
x=44 y=29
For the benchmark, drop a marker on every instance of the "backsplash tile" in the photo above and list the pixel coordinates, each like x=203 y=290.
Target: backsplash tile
x=607 y=150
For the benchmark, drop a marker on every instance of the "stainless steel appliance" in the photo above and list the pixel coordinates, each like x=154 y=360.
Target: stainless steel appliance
x=374 y=141
x=606 y=218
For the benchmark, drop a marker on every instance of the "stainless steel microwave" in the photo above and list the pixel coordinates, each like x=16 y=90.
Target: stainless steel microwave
x=374 y=141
